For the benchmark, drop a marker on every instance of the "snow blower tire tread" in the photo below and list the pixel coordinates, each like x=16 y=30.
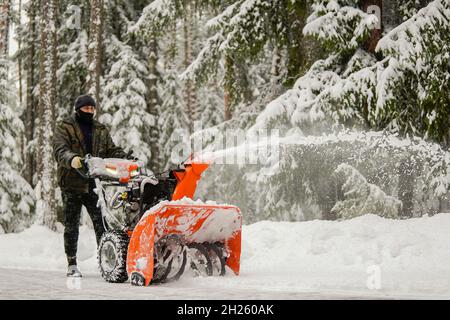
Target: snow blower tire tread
x=118 y=242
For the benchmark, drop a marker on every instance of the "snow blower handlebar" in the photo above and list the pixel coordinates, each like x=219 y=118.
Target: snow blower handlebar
x=122 y=171
x=111 y=169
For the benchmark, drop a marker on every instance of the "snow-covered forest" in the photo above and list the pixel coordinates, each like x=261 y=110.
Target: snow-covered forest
x=358 y=91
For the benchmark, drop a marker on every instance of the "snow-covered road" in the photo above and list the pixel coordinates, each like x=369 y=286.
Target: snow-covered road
x=37 y=284
x=365 y=257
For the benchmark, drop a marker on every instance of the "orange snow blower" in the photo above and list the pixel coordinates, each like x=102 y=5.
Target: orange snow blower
x=153 y=227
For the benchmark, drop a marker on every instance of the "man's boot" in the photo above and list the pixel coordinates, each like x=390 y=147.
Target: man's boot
x=73 y=272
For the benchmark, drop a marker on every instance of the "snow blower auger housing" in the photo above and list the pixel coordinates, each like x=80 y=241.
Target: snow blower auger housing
x=161 y=230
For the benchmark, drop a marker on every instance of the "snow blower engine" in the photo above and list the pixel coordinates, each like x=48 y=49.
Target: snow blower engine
x=154 y=228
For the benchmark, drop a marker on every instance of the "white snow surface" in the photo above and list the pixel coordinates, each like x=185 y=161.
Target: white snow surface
x=280 y=260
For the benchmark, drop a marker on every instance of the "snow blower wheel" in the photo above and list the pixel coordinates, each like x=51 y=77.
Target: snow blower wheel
x=217 y=257
x=112 y=256
x=200 y=261
x=170 y=259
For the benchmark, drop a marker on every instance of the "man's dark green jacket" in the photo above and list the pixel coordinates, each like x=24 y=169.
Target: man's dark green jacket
x=68 y=142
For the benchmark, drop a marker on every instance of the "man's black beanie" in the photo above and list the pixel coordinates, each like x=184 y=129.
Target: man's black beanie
x=84 y=100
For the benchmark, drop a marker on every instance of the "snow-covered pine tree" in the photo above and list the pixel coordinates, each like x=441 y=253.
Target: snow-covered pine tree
x=72 y=71
x=73 y=54
x=189 y=90
x=342 y=28
x=172 y=119
x=252 y=20
x=210 y=98
x=125 y=108
x=404 y=10
x=119 y=17
x=352 y=87
x=29 y=54
x=361 y=197
x=243 y=28
x=406 y=91
x=77 y=41
x=182 y=103
x=210 y=101
x=156 y=16
x=17 y=196
x=413 y=91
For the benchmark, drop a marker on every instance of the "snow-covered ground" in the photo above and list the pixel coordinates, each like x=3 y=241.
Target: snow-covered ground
x=366 y=257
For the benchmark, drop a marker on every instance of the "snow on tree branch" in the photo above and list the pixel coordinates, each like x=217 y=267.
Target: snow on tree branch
x=342 y=28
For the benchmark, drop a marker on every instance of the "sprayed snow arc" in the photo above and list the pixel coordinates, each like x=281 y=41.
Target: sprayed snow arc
x=280 y=260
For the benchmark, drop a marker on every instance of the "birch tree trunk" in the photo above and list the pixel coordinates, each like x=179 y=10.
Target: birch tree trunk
x=46 y=206
x=95 y=51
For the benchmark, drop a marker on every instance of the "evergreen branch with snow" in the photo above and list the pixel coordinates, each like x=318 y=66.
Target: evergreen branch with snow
x=341 y=28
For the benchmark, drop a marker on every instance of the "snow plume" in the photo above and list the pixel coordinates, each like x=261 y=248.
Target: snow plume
x=351 y=88
x=305 y=184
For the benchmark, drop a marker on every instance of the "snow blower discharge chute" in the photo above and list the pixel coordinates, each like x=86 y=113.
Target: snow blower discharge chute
x=154 y=230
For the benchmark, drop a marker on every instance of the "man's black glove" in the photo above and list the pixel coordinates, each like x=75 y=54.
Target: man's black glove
x=130 y=156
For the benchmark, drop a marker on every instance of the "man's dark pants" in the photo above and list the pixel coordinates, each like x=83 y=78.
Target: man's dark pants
x=72 y=203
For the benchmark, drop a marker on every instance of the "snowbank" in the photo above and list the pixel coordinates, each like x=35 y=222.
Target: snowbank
x=411 y=257
x=39 y=248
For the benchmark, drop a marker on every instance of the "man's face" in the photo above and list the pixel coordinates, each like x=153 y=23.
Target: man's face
x=88 y=109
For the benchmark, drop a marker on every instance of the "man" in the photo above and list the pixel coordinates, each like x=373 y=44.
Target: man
x=76 y=136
